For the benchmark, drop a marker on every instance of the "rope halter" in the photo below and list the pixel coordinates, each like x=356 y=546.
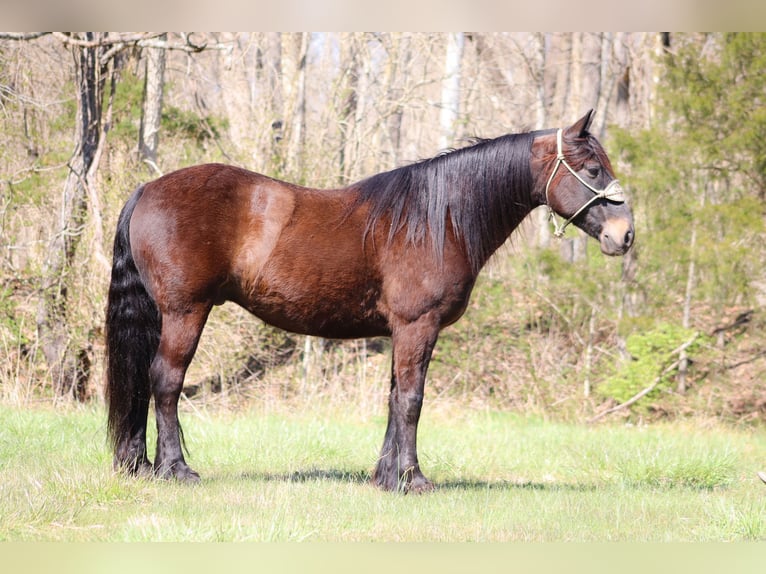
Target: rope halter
x=612 y=192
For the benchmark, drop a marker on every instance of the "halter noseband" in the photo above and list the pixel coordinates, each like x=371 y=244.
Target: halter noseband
x=613 y=191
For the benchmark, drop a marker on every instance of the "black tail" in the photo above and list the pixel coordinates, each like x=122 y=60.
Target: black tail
x=132 y=336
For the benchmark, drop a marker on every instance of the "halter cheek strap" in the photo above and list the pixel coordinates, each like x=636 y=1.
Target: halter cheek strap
x=612 y=192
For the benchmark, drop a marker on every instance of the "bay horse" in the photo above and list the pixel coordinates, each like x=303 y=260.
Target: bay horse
x=396 y=255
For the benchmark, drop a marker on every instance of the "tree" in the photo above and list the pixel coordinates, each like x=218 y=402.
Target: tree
x=715 y=87
x=294 y=53
x=450 y=98
x=700 y=168
x=151 y=111
x=69 y=367
x=715 y=96
x=348 y=96
x=95 y=72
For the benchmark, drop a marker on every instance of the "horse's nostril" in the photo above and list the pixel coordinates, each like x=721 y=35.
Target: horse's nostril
x=629 y=237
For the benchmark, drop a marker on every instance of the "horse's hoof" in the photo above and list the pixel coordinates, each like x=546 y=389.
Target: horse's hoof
x=187 y=475
x=144 y=471
x=140 y=468
x=420 y=485
x=190 y=477
x=382 y=484
x=417 y=485
x=180 y=472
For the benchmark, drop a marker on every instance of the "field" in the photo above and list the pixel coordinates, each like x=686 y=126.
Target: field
x=300 y=474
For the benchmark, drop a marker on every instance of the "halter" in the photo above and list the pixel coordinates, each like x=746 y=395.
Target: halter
x=612 y=192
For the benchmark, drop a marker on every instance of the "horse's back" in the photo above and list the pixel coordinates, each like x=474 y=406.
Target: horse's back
x=196 y=228
x=293 y=256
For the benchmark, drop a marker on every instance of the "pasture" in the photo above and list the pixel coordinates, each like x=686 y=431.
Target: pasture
x=290 y=474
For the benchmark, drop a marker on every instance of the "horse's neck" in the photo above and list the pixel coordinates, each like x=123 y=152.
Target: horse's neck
x=515 y=221
x=501 y=227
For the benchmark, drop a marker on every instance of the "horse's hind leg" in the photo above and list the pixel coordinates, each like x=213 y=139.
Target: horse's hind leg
x=130 y=454
x=180 y=334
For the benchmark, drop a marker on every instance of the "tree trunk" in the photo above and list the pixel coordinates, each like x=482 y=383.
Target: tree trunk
x=691 y=277
x=294 y=87
x=151 y=113
x=348 y=92
x=574 y=101
x=623 y=99
x=561 y=57
x=399 y=54
x=69 y=367
x=450 y=98
x=683 y=359
x=537 y=66
x=271 y=77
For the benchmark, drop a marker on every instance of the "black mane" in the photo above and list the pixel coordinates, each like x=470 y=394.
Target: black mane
x=484 y=190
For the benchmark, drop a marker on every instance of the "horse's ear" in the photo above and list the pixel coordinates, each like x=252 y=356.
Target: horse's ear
x=580 y=127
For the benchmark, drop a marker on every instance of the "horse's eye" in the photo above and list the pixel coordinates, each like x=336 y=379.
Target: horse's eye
x=593 y=171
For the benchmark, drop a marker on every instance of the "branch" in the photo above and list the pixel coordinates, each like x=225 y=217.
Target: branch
x=108 y=41
x=22 y=36
x=747 y=361
x=635 y=398
x=142 y=40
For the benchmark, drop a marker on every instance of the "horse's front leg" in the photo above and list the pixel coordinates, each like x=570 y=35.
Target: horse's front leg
x=398 y=467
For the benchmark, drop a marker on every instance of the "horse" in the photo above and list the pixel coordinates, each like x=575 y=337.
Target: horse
x=396 y=254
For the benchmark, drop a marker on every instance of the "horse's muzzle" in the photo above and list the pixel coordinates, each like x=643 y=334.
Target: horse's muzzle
x=617 y=236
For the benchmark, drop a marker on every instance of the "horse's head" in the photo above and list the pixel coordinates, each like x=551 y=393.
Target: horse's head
x=579 y=186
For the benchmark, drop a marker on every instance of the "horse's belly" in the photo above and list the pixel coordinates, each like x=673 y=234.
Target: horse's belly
x=327 y=309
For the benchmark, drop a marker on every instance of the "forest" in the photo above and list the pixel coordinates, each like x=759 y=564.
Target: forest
x=674 y=329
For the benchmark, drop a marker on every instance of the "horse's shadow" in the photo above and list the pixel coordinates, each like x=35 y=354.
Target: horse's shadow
x=311 y=475
x=363 y=477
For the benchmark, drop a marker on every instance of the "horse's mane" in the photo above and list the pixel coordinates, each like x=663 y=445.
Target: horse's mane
x=482 y=190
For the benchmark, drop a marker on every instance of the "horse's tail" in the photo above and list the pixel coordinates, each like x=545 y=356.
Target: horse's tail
x=132 y=336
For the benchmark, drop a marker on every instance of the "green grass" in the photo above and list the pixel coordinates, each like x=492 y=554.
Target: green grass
x=302 y=476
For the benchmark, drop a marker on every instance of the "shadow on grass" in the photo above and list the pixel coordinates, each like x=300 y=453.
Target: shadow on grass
x=515 y=485
x=363 y=477
x=312 y=475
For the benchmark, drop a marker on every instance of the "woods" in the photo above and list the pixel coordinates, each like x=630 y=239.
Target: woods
x=552 y=328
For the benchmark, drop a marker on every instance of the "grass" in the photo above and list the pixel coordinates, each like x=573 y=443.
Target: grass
x=302 y=476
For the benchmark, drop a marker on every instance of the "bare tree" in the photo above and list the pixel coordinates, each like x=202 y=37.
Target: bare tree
x=348 y=95
x=450 y=97
x=294 y=52
x=69 y=367
x=94 y=56
x=400 y=53
x=151 y=113
x=557 y=78
x=272 y=78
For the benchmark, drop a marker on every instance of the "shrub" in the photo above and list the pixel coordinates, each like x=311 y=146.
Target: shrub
x=650 y=353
